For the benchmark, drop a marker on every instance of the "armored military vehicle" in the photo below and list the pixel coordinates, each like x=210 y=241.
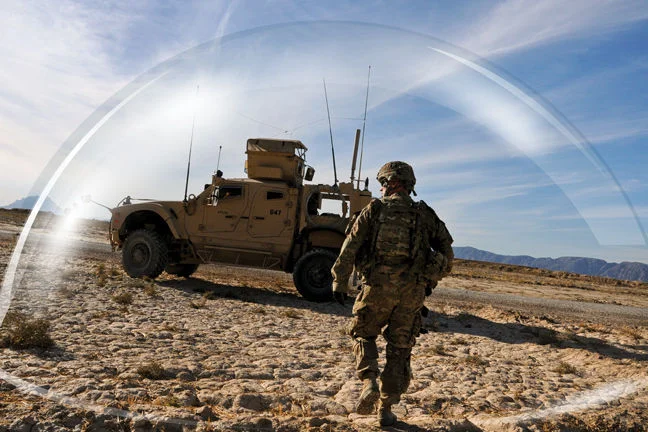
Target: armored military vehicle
x=269 y=220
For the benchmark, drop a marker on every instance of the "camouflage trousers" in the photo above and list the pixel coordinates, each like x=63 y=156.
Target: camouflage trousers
x=395 y=307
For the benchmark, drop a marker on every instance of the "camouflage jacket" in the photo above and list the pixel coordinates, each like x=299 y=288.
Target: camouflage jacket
x=359 y=235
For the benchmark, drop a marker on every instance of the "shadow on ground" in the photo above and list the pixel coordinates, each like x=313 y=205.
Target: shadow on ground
x=256 y=295
x=517 y=333
x=463 y=426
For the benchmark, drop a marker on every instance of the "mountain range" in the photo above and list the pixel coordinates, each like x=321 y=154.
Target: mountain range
x=29 y=202
x=588 y=266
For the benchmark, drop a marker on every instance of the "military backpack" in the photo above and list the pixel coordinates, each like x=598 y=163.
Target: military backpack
x=400 y=238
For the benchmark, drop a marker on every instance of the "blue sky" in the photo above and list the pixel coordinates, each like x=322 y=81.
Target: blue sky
x=526 y=121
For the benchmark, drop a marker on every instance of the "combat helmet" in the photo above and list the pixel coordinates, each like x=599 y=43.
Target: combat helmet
x=400 y=171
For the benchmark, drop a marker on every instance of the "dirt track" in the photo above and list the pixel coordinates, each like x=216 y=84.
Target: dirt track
x=458 y=291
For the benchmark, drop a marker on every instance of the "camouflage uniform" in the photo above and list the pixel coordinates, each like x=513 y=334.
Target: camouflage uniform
x=393 y=285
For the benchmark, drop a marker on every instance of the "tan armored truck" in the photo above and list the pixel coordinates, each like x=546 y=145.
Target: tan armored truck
x=270 y=220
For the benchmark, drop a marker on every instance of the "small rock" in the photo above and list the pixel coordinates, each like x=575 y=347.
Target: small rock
x=185 y=376
x=6 y=387
x=188 y=398
x=333 y=407
x=24 y=424
x=348 y=395
x=79 y=389
x=163 y=335
x=254 y=374
x=316 y=422
x=250 y=401
x=71 y=421
x=206 y=414
x=263 y=423
x=129 y=376
x=283 y=373
x=142 y=424
x=168 y=426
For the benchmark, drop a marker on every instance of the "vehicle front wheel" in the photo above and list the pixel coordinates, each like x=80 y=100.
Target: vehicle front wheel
x=312 y=275
x=144 y=254
x=182 y=270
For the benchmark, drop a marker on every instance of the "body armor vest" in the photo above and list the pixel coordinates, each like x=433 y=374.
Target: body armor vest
x=395 y=233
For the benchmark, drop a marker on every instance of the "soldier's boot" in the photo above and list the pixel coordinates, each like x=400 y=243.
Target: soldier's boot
x=385 y=415
x=368 y=397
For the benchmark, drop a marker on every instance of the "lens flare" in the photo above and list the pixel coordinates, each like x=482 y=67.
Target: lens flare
x=267 y=82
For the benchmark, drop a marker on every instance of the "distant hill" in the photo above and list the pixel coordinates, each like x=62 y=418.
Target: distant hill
x=587 y=266
x=29 y=202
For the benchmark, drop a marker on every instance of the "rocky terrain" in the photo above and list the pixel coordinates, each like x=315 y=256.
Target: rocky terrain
x=508 y=348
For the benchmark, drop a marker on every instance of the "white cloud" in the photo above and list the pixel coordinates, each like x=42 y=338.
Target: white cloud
x=56 y=68
x=516 y=25
x=465 y=201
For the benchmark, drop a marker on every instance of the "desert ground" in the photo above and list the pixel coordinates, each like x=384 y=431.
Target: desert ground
x=508 y=348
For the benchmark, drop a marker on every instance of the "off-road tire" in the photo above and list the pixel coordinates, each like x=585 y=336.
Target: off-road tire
x=182 y=270
x=144 y=254
x=312 y=275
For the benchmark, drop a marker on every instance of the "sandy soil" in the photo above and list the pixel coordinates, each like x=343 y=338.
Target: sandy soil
x=238 y=349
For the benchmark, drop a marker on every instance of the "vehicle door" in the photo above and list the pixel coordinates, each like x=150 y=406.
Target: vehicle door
x=272 y=216
x=227 y=210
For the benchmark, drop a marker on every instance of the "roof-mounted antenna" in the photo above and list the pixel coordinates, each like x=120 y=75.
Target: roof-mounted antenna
x=219 y=173
x=193 y=124
x=364 y=122
x=331 y=132
x=355 y=156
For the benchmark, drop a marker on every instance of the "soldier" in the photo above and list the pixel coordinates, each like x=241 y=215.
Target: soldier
x=390 y=244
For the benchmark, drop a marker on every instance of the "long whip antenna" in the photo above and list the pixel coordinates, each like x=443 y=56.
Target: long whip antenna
x=220 y=148
x=330 y=132
x=364 y=122
x=193 y=124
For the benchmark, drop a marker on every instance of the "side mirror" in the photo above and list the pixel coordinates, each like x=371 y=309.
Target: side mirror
x=310 y=172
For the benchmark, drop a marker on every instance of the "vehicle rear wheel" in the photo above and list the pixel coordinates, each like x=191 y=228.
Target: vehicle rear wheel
x=144 y=254
x=312 y=275
x=182 y=270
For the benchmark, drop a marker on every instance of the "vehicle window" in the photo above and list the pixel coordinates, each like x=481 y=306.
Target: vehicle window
x=271 y=195
x=332 y=207
x=225 y=192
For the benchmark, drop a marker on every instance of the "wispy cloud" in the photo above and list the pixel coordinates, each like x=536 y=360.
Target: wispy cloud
x=459 y=203
x=620 y=213
x=517 y=25
x=56 y=69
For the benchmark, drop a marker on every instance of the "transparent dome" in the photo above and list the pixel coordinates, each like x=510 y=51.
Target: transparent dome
x=472 y=134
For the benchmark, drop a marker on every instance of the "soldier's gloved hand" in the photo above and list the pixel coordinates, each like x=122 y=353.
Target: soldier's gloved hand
x=429 y=287
x=340 y=297
x=447 y=268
